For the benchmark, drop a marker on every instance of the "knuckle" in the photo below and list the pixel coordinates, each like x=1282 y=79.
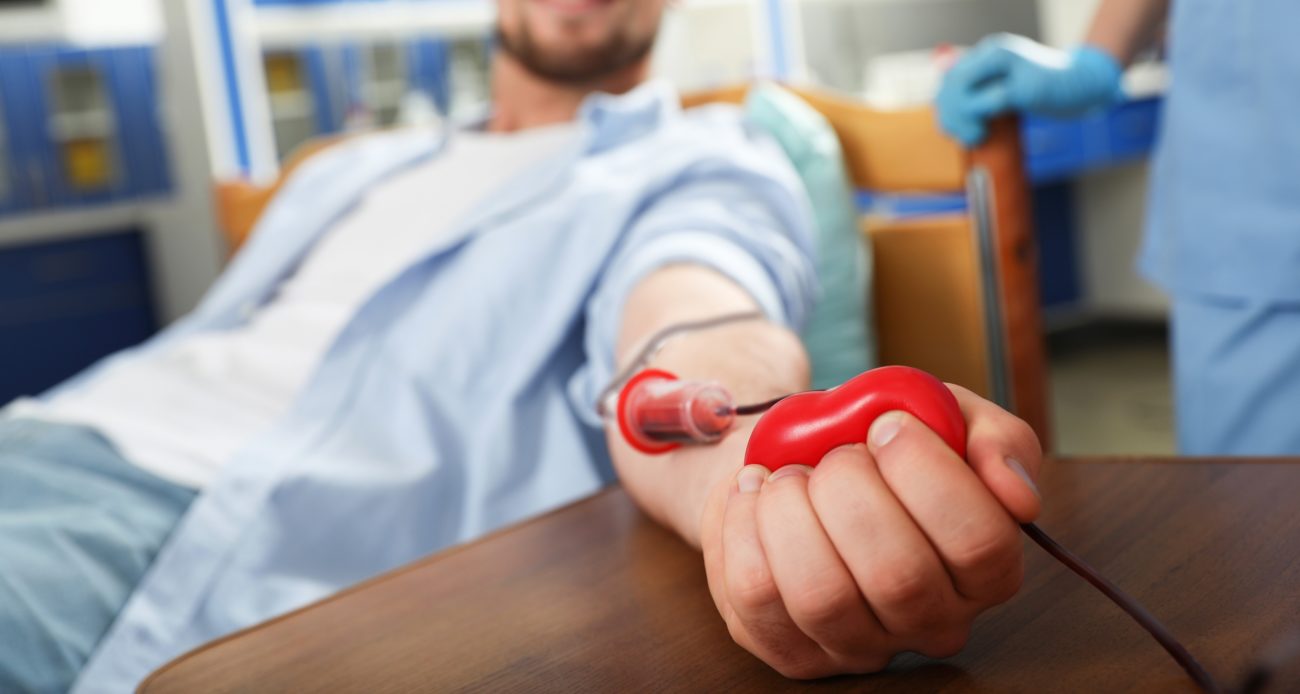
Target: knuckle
x=901 y=586
x=823 y=602
x=837 y=468
x=752 y=590
x=774 y=643
x=740 y=635
x=1007 y=433
x=736 y=630
x=830 y=477
x=789 y=660
x=986 y=550
x=852 y=454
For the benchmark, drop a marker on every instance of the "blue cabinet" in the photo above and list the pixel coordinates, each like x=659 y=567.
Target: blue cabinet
x=1059 y=284
x=79 y=127
x=22 y=132
x=8 y=173
x=1131 y=129
x=79 y=147
x=66 y=304
x=1056 y=149
x=134 y=96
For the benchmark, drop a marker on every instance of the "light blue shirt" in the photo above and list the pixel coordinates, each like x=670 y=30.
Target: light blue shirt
x=460 y=396
x=1224 y=214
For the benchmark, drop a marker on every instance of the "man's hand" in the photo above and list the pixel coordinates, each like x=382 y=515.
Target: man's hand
x=896 y=545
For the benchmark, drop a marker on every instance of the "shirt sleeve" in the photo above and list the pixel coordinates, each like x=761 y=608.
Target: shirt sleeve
x=752 y=226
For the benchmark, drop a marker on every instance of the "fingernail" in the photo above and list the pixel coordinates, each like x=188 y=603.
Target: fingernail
x=751 y=478
x=1019 y=469
x=790 y=471
x=884 y=429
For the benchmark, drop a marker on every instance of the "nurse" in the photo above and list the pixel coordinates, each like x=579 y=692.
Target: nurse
x=1223 y=221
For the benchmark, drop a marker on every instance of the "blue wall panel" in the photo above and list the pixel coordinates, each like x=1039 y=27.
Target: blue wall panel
x=19 y=137
x=42 y=60
x=26 y=125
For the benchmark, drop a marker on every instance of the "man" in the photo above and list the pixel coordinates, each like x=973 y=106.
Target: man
x=408 y=354
x=1223 y=225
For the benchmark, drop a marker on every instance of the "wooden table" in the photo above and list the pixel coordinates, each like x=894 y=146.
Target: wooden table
x=596 y=597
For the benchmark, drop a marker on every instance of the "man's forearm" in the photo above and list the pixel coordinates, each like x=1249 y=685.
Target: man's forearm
x=1123 y=28
x=756 y=360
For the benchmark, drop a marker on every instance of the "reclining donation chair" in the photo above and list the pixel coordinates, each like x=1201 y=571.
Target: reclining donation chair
x=954 y=293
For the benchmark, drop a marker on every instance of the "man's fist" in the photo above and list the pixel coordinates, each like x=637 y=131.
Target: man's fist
x=896 y=545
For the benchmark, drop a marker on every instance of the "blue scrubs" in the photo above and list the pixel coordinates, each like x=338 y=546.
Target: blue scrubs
x=1223 y=233
x=1236 y=376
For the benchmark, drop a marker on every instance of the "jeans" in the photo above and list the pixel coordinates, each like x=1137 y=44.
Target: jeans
x=79 y=525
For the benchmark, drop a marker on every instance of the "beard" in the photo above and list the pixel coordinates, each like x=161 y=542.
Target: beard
x=577 y=67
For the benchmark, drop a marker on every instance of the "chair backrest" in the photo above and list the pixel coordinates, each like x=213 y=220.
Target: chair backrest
x=956 y=295
x=240 y=203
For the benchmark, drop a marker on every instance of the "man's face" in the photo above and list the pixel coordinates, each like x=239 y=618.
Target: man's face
x=578 y=41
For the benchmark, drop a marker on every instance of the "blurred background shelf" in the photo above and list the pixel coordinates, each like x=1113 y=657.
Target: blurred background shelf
x=287 y=23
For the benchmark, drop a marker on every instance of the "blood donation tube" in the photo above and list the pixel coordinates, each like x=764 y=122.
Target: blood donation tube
x=657 y=412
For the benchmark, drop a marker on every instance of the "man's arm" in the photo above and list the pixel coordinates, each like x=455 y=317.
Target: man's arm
x=890 y=546
x=756 y=361
x=1123 y=28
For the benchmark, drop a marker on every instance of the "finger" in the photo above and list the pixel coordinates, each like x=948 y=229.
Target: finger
x=1004 y=452
x=891 y=560
x=956 y=122
x=967 y=117
x=760 y=622
x=976 y=538
x=988 y=100
x=987 y=60
x=818 y=591
x=963 y=108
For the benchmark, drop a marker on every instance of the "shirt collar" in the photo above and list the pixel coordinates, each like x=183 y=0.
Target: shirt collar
x=616 y=119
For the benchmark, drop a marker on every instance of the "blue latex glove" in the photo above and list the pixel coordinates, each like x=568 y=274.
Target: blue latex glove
x=1006 y=72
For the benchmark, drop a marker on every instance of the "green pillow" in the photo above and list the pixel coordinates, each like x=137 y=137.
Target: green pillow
x=837 y=337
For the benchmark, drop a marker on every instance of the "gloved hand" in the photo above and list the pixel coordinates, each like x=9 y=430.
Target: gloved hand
x=1007 y=72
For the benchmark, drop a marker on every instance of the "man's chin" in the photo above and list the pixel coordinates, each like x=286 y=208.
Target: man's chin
x=567 y=63
x=572 y=68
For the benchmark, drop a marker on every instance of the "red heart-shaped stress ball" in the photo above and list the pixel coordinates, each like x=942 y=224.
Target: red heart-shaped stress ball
x=804 y=427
